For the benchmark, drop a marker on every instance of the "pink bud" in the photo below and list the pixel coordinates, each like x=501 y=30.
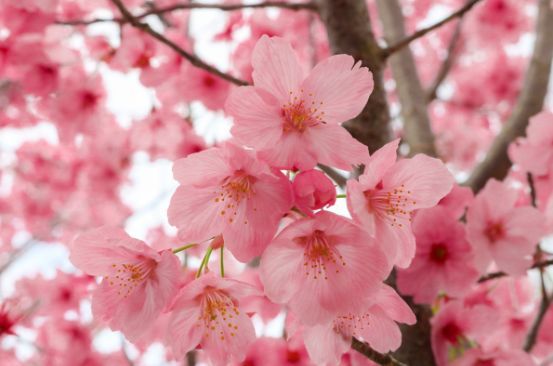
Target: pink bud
x=313 y=190
x=217 y=242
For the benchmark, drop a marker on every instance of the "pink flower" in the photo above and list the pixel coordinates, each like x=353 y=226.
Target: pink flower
x=228 y=190
x=275 y=352
x=321 y=267
x=535 y=152
x=138 y=282
x=501 y=232
x=443 y=261
x=453 y=329
x=293 y=120
x=205 y=87
x=388 y=192
x=457 y=200
x=207 y=312
x=511 y=357
x=376 y=325
x=313 y=190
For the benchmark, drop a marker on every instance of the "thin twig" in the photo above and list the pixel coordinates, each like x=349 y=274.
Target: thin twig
x=379 y=358
x=422 y=32
x=16 y=254
x=447 y=64
x=193 y=59
x=544 y=306
x=494 y=275
x=190 y=6
x=530 y=179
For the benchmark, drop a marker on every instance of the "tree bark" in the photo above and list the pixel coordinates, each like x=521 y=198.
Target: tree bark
x=496 y=164
x=417 y=131
x=349 y=31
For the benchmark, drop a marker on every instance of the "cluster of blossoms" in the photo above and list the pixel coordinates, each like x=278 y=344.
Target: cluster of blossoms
x=260 y=195
x=263 y=234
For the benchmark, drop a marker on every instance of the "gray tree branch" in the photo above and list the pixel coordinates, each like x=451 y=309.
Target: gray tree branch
x=422 y=32
x=190 y=6
x=349 y=31
x=416 y=123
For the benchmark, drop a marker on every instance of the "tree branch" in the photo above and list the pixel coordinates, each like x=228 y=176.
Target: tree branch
x=447 y=64
x=338 y=178
x=193 y=59
x=16 y=254
x=496 y=164
x=348 y=27
x=417 y=130
x=494 y=275
x=422 y=32
x=190 y=6
x=379 y=358
x=544 y=305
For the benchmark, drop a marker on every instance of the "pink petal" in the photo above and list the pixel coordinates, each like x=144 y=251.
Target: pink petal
x=381 y=333
x=281 y=264
x=185 y=330
x=225 y=345
x=202 y=168
x=426 y=180
x=378 y=164
x=195 y=224
x=96 y=251
x=332 y=145
x=325 y=346
x=394 y=307
x=256 y=122
x=290 y=153
x=276 y=67
x=357 y=206
x=342 y=87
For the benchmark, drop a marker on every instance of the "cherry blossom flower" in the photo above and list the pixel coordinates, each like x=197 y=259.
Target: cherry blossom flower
x=501 y=232
x=207 y=312
x=138 y=282
x=313 y=190
x=376 y=325
x=293 y=120
x=443 y=261
x=228 y=190
x=534 y=153
x=389 y=191
x=478 y=357
x=322 y=267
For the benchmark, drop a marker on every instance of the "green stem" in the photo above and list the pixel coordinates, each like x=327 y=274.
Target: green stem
x=180 y=249
x=341 y=195
x=204 y=261
x=222 y=262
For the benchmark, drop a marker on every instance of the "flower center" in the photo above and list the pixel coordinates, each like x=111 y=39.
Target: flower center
x=494 y=231
x=439 y=253
x=298 y=116
x=233 y=191
x=392 y=205
x=320 y=257
x=452 y=333
x=128 y=276
x=219 y=313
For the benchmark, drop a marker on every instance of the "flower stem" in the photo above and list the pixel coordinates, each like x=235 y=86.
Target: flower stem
x=180 y=249
x=222 y=262
x=341 y=195
x=205 y=260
